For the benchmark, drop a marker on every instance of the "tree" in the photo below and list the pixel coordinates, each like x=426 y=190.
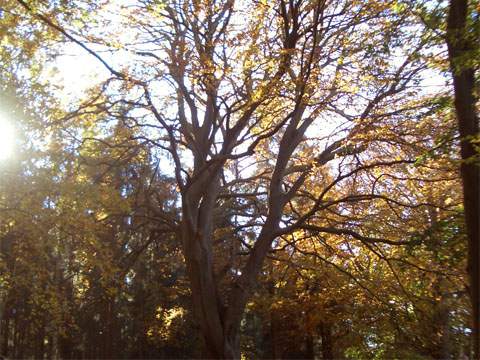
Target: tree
x=462 y=40
x=228 y=108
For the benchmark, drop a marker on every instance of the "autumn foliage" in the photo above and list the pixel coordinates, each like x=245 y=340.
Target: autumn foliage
x=236 y=179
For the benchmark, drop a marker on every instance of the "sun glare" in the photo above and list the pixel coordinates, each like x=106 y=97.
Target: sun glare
x=7 y=134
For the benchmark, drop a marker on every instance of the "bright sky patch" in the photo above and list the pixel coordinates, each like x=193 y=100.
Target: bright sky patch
x=7 y=137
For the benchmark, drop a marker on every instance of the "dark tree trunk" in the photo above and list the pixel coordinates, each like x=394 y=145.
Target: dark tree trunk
x=50 y=348
x=66 y=342
x=310 y=347
x=460 y=49
x=108 y=328
x=275 y=344
x=5 y=335
x=327 y=341
x=207 y=304
x=40 y=348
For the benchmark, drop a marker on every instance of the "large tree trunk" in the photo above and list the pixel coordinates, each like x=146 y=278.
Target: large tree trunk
x=460 y=48
x=197 y=228
x=219 y=322
x=206 y=302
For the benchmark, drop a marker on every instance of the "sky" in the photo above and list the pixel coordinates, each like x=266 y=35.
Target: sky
x=7 y=137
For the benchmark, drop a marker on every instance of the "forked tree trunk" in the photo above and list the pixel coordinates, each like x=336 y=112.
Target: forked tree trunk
x=207 y=305
x=197 y=235
x=219 y=322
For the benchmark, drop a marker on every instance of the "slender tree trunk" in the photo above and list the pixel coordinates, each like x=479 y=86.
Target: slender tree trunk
x=108 y=328
x=310 y=347
x=460 y=50
x=50 y=350
x=67 y=340
x=40 y=348
x=275 y=342
x=5 y=334
x=445 y=328
x=3 y=322
x=15 y=336
x=327 y=341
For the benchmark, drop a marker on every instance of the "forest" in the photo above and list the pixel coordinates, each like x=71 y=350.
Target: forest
x=239 y=179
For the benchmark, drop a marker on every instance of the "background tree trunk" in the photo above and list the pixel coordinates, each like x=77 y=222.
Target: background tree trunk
x=327 y=341
x=460 y=47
